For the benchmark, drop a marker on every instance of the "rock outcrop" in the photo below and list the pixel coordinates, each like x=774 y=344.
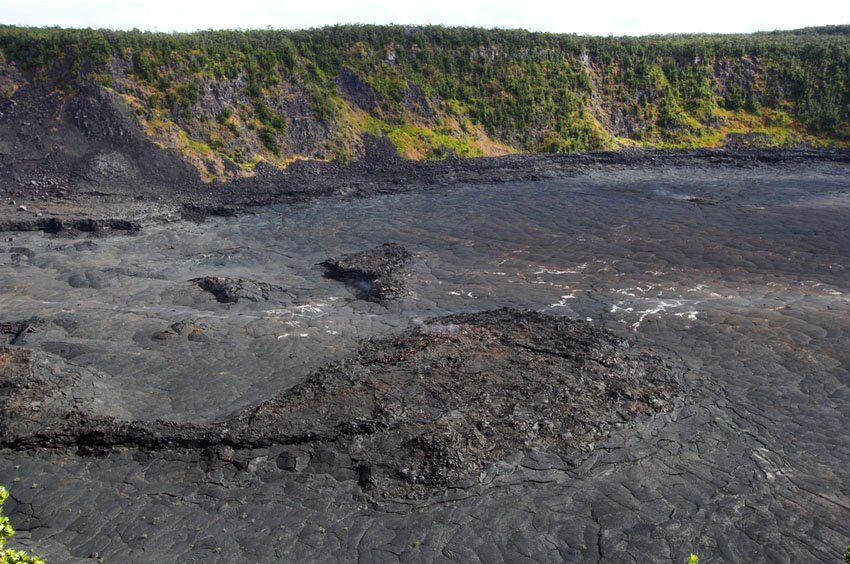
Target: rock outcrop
x=406 y=415
x=375 y=274
x=232 y=290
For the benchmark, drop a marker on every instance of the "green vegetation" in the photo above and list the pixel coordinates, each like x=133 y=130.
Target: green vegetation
x=438 y=91
x=693 y=559
x=7 y=555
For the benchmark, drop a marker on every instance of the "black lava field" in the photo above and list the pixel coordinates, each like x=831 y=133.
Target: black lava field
x=628 y=364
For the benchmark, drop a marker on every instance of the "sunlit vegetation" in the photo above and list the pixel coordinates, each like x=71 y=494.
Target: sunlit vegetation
x=439 y=92
x=8 y=555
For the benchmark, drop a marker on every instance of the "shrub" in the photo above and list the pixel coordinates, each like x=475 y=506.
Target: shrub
x=7 y=555
x=269 y=139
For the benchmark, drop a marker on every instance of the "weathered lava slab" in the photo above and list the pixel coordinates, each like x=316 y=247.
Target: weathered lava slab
x=419 y=411
x=69 y=225
x=231 y=290
x=15 y=332
x=375 y=274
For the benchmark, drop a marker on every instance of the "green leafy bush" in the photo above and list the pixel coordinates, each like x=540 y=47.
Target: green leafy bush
x=8 y=555
x=269 y=139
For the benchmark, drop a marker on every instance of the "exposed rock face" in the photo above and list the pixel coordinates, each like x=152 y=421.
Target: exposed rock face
x=374 y=275
x=425 y=409
x=98 y=114
x=357 y=90
x=68 y=225
x=231 y=290
x=199 y=212
x=187 y=329
x=15 y=332
x=416 y=101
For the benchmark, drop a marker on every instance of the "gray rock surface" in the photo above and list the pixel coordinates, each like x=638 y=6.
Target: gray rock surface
x=738 y=270
x=476 y=388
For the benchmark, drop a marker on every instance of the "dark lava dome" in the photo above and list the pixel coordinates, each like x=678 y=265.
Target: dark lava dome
x=425 y=409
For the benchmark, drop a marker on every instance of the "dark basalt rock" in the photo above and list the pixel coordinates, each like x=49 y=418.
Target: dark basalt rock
x=69 y=225
x=231 y=290
x=357 y=90
x=15 y=332
x=188 y=329
x=198 y=213
x=374 y=275
x=423 y=410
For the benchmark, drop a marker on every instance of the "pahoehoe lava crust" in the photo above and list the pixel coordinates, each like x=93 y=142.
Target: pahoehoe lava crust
x=423 y=410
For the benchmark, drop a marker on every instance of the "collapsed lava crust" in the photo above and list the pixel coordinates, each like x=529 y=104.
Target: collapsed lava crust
x=409 y=414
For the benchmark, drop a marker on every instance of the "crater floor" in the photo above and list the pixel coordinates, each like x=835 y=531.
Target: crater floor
x=738 y=276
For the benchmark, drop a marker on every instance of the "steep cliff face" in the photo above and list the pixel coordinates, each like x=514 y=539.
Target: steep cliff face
x=113 y=105
x=219 y=129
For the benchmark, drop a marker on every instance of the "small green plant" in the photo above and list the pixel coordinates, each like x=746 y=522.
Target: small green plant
x=693 y=559
x=847 y=555
x=269 y=139
x=6 y=91
x=7 y=555
x=224 y=115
